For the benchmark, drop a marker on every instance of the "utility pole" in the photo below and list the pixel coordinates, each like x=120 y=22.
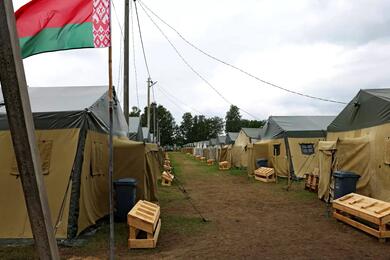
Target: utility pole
x=126 y=64
x=148 y=112
x=21 y=124
x=154 y=123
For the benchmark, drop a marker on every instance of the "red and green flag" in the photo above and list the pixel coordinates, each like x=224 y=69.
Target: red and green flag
x=52 y=25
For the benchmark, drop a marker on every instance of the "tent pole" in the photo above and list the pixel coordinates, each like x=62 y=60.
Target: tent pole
x=111 y=157
x=148 y=108
x=21 y=124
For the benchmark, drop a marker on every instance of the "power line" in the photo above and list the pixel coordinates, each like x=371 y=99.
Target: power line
x=172 y=101
x=140 y=35
x=177 y=99
x=237 y=68
x=189 y=66
x=134 y=58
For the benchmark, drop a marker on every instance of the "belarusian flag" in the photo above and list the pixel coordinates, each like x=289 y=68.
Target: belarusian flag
x=52 y=25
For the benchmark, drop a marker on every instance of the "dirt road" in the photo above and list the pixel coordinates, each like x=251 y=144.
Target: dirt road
x=248 y=219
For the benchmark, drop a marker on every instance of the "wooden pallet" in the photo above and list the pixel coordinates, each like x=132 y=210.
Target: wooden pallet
x=144 y=224
x=167 y=168
x=224 y=166
x=210 y=162
x=311 y=182
x=167 y=162
x=265 y=174
x=367 y=214
x=166 y=178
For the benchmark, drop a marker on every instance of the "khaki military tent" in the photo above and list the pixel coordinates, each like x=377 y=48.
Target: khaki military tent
x=72 y=125
x=290 y=144
x=135 y=129
x=240 y=148
x=358 y=140
x=231 y=137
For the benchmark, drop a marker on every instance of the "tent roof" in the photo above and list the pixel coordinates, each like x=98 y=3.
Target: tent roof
x=370 y=107
x=145 y=133
x=60 y=99
x=296 y=126
x=233 y=136
x=134 y=124
x=252 y=132
x=213 y=141
x=72 y=107
x=221 y=139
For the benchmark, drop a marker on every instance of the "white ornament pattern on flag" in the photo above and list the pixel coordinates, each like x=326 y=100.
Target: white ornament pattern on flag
x=101 y=23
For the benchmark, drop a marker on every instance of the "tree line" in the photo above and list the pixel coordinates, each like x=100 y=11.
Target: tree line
x=193 y=128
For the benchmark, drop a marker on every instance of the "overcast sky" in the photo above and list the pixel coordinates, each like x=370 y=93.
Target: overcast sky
x=326 y=48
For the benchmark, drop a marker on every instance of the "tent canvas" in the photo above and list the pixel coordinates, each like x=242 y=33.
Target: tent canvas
x=361 y=137
x=290 y=144
x=72 y=125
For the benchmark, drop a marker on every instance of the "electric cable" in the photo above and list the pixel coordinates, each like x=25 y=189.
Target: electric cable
x=192 y=68
x=143 y=5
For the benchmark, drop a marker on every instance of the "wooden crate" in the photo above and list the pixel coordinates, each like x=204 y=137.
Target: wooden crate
x=167 y=168
x=311 y=182
x=223 y=166
x=166 y=178
x=198 y=157
x=210 y=162
x=144 y=224
x=367 y=214
x=265 y=174
x=203 y=159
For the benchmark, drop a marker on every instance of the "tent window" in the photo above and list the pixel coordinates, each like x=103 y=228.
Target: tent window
x=387 y=151
x=307 y=149
x=97 y=159
x=45 y=148
x=276 y=149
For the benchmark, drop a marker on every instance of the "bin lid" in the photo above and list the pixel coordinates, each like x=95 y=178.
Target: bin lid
x=126 y=181
x=344 y=174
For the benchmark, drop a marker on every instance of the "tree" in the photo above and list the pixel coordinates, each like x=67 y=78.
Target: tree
x=135 y=111
x=165 y=122
x=252 y=123
x=233 y=119
x=186 y=127
x=214 y=126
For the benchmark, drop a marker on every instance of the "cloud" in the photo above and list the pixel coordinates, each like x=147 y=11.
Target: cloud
x=328 y=48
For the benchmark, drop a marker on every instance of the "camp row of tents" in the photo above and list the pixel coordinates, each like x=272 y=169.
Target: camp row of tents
x=72 y=128
x=357 y=140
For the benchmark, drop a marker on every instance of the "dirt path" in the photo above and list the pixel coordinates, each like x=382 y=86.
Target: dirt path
x=248 y=219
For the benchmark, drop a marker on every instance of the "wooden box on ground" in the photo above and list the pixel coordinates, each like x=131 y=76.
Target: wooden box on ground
x=145 y=224
x=311 y=182
x=166 y=179
x=265 y=174
x=202 y=159
x=210 y=162
x=198 y=157
x=223 y=166
x=367 y=214
x=167 y=168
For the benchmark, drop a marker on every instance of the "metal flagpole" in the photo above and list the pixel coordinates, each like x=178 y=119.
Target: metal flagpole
x=110 y=143
x=111 y=157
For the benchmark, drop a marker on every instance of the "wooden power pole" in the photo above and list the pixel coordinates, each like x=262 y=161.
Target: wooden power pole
x=20 y=120
x=126 y=64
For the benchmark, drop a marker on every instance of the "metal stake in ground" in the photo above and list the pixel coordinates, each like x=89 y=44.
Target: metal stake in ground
x=16 y=99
